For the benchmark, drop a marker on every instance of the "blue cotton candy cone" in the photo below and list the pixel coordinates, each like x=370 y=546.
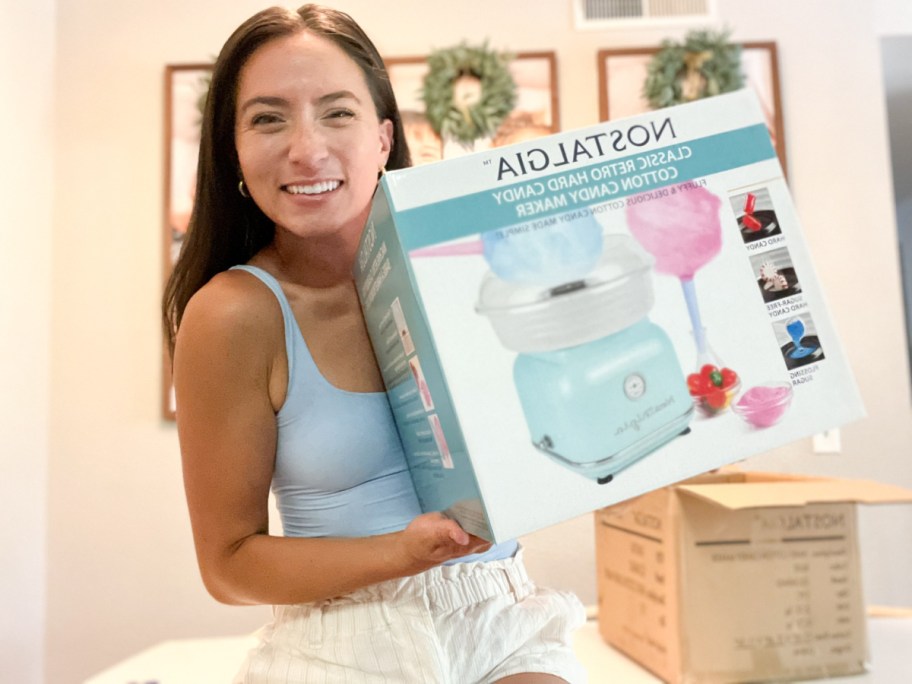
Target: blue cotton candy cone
x=559 y=253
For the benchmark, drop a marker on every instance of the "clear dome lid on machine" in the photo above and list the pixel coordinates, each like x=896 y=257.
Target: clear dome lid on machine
x=539 y=317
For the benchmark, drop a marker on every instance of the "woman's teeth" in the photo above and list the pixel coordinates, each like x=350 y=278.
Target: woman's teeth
x=315 y=189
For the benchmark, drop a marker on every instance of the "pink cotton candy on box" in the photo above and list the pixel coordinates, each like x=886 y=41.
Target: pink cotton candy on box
x=681 y=229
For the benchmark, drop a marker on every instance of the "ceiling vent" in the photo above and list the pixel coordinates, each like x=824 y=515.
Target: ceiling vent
x=603 y=14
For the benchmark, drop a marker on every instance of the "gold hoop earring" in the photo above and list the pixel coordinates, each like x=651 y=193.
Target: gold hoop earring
x=243 y=190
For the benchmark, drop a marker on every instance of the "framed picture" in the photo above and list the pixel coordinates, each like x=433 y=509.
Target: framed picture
x=535 y=114
x=622 y=74
x=185 y=91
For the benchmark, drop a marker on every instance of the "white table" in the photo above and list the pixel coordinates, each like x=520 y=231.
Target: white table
x=215 y=660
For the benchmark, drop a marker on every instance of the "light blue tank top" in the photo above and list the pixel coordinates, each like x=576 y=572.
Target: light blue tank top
x=340 y=470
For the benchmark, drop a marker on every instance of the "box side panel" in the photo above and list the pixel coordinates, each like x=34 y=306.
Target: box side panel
x=420 y=401
x=771 y=594
x=636 y=582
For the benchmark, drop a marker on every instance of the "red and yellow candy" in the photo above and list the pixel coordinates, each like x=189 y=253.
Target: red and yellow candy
x=713 y=388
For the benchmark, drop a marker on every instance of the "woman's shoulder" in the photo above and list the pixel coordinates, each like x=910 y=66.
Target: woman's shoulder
x=231 y=343
x=234 y=306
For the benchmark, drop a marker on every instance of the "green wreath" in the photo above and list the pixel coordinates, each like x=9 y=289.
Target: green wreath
x=705 y=64
x=467 y=92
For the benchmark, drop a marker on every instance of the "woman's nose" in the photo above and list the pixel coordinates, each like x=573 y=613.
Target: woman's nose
x=307 y=145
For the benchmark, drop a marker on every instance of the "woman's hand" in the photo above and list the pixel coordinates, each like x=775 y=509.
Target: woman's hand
x=432 y=539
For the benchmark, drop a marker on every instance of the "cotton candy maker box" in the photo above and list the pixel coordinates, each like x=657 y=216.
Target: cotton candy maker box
x=599 y=383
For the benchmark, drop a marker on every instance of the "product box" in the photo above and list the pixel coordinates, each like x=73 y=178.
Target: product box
x=572 y=321
x=738 y=577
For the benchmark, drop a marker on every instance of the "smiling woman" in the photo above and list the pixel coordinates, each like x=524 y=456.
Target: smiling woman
x=310 y=150
x=299 y=123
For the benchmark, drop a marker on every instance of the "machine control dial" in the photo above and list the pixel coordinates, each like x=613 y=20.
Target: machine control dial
x=634 y=386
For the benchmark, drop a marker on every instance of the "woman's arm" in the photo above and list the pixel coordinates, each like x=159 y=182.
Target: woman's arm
x=226 y=389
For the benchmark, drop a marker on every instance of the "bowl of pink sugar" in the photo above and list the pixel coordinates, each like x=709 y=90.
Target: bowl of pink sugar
x=764 y=405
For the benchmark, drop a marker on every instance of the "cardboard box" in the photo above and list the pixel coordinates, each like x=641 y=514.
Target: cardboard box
x=541 y=313
x=738 y=577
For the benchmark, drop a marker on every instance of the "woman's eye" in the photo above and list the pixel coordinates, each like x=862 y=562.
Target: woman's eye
x=340 y=114
x=265 y=119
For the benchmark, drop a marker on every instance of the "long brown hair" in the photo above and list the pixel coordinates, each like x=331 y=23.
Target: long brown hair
x=225 y=228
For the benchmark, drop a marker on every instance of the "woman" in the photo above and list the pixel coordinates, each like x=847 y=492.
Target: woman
x=277 y=386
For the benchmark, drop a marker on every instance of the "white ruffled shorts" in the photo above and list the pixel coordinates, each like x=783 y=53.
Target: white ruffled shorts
x=456 y=624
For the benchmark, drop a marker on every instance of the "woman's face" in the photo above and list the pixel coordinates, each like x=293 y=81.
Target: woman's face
x=308 y=138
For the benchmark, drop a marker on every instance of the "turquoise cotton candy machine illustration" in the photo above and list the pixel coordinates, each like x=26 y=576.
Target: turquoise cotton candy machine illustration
x=599 y=383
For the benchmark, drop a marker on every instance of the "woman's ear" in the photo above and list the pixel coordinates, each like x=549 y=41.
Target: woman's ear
x=386 y=141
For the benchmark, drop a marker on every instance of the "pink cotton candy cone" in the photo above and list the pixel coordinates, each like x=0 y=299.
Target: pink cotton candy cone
x=682 y=230
x=469 y=248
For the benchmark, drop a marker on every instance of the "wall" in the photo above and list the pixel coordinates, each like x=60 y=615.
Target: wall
x=892 y=17
x=26 y=194
x=121 y=570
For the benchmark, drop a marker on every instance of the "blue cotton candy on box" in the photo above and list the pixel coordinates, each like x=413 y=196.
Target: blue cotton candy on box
x=559 y=253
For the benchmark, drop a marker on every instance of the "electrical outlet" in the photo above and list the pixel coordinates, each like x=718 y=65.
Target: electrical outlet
x=828 y=442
